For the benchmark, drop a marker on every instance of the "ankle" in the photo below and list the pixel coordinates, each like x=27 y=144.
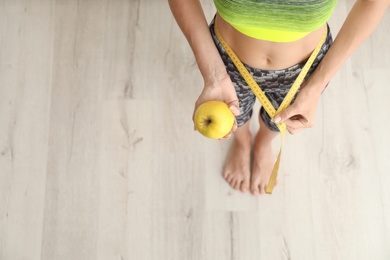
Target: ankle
x=242 y=135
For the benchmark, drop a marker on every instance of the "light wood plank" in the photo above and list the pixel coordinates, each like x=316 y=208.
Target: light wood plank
x=25 y=72
x=72 y=184
x=125 y=220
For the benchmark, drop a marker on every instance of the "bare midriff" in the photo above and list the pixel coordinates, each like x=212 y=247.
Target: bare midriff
x=265 y=54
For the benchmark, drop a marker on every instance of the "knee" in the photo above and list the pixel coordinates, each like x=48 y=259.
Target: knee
x=266 y=120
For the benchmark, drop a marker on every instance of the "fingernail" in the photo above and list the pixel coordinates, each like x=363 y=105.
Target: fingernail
x=233 y=109
x=277 y=119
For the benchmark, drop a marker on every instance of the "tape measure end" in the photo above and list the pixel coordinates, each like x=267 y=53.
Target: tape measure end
x=269 y=189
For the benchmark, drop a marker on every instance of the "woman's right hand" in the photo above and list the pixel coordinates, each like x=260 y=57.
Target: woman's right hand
x=222 y=90
x=218 y=86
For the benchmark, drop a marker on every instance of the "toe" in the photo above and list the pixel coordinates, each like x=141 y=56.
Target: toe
x=254 y=187
x=262 y=188
x=232 y=182
x=255 y=190
x=237 y=185
x=244 y=185
x=225 y=175
x=229 y=178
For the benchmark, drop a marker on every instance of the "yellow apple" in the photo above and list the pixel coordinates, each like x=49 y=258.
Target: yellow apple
x=214 y=119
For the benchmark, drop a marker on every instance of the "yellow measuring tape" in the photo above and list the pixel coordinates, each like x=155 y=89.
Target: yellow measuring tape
x=264 y=100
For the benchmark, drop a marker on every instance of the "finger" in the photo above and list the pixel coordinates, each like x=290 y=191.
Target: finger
x=193 y=117
x=235 y=110
x=290 y=130
x=294 y=123
x=235 y=125
x=234 y=106
x=226 y=136
x=285 y=114
x=293 y=131
x=303 y=120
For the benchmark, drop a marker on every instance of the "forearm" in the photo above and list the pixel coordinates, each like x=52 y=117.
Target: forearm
x=190 y=17
x=360 y=23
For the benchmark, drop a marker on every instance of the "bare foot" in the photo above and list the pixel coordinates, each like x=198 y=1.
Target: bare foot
x=263 y=163
x=237 y=166
x=263 y=159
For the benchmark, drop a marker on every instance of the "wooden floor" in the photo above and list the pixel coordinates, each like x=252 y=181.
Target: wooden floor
x=98 y=159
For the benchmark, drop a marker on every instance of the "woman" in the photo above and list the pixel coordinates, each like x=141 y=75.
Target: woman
x=273 y=39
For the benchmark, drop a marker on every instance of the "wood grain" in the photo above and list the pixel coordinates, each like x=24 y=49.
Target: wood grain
x=98 y=159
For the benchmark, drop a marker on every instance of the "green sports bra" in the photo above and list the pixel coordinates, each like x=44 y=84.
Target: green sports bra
x=276 y=20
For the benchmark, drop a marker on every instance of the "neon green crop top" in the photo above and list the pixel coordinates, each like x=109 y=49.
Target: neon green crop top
x=276 y=20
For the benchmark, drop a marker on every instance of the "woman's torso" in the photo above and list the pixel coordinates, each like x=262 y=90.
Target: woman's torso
x=271 y=55
x=265 y=54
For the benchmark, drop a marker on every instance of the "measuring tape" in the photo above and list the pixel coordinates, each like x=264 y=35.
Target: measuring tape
x=265 y=101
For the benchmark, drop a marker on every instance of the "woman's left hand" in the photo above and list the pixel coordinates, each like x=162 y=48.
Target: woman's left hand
x=301 y=114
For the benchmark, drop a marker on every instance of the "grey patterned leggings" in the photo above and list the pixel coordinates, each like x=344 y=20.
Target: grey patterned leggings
x=274 y=83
